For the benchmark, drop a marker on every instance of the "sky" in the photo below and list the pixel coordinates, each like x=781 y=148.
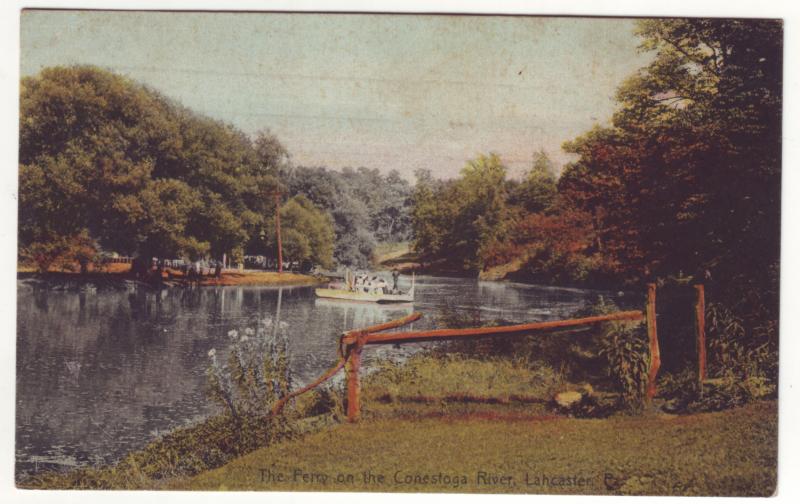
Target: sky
x=382 y=91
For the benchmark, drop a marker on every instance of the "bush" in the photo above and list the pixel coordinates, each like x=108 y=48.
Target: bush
x=736 y=352
x=742 y=366
x=322 y=400
x=64 y=253
x=625 y=349
x=256 y=373
x=624 y=345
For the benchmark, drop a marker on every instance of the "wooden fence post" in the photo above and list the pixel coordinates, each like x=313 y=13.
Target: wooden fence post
x=353 y=385
x=652 y=336
x=700 y=317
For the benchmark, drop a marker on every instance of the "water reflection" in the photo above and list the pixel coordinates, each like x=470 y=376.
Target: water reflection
x=102 y=370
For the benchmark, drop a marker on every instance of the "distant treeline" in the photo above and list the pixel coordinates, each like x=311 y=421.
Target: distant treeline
x=107 y=164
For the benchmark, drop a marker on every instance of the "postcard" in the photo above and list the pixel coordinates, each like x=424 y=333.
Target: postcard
x=361 y=252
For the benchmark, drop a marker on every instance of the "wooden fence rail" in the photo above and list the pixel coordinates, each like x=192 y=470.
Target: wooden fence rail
x=352 y=343
x=438 y=334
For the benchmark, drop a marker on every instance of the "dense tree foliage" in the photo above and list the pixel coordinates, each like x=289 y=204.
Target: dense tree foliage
x=688 y=177
x=537 y=190
x=685 y=184
x=109 y=164
x=461 y=222
x=306 y=233
x=366 y=206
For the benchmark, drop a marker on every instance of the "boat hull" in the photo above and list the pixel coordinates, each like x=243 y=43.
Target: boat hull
x=363 y=296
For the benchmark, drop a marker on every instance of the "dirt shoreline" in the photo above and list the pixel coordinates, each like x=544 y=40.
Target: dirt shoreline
x=176 y=279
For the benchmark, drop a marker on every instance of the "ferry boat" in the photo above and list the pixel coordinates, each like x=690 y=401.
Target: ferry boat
x=353 y=290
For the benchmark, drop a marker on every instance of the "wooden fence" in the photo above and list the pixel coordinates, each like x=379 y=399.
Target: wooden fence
x=352 y=343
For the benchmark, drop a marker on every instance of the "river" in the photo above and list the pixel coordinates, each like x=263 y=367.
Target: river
x=102 y=370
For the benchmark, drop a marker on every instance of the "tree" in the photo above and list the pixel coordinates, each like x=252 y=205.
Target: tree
x=538 y=189
x=273 y=158
x=392 y=218
x=461 y=222
x=366 y=207
x=483 y=214
x=137 y=173
x=306 y=233
x=693 y=157
x=424 y=217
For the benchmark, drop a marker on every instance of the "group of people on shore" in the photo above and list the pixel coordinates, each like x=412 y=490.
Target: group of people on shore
x=155 y=269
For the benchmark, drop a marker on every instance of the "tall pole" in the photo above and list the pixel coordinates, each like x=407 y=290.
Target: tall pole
x=278 y=230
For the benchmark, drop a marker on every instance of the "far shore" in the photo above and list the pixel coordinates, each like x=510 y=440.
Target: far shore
x=170 y=277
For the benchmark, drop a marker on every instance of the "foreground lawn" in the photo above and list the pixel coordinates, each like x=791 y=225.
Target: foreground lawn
x=726 y=453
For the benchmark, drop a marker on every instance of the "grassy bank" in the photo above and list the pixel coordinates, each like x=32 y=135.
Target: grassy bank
x=120 y=271
x=459 y=423
x=262 y=278
x=725 y=453
x=454 y=423
x=387 y=251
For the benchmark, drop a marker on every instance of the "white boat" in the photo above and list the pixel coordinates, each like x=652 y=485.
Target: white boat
x=351 y=292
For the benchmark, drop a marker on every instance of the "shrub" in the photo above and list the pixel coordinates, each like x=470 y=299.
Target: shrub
x=742 y=366
x=624 y=345
x=256 y=371
x=737 y=352
x=625 y=349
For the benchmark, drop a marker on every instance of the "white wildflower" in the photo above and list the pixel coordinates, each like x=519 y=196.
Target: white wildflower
x=249 y=331
x=212 y=353
x=283 y=325
x=244 y=338
x=233 y=333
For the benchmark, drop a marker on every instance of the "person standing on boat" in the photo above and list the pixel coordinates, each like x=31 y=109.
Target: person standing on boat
x=381 y=286
x=395 y=277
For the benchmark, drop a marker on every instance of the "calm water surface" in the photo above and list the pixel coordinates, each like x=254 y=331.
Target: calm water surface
x=104 y=370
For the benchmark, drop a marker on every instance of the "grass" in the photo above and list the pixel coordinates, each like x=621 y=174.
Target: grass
x=395 y=256
x=262 y=278
x=455 y=423
x=724 y=453
x=501 y=271
x=113 y=268
x=390 y=250
x=120 y=270
x=182 y=452
x=446 y=384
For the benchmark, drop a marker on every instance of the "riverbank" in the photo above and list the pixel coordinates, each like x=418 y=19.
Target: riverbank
x=427 y=407
x=121 y=272
x=262 y=278
x=402 y=258
x=411 y=389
